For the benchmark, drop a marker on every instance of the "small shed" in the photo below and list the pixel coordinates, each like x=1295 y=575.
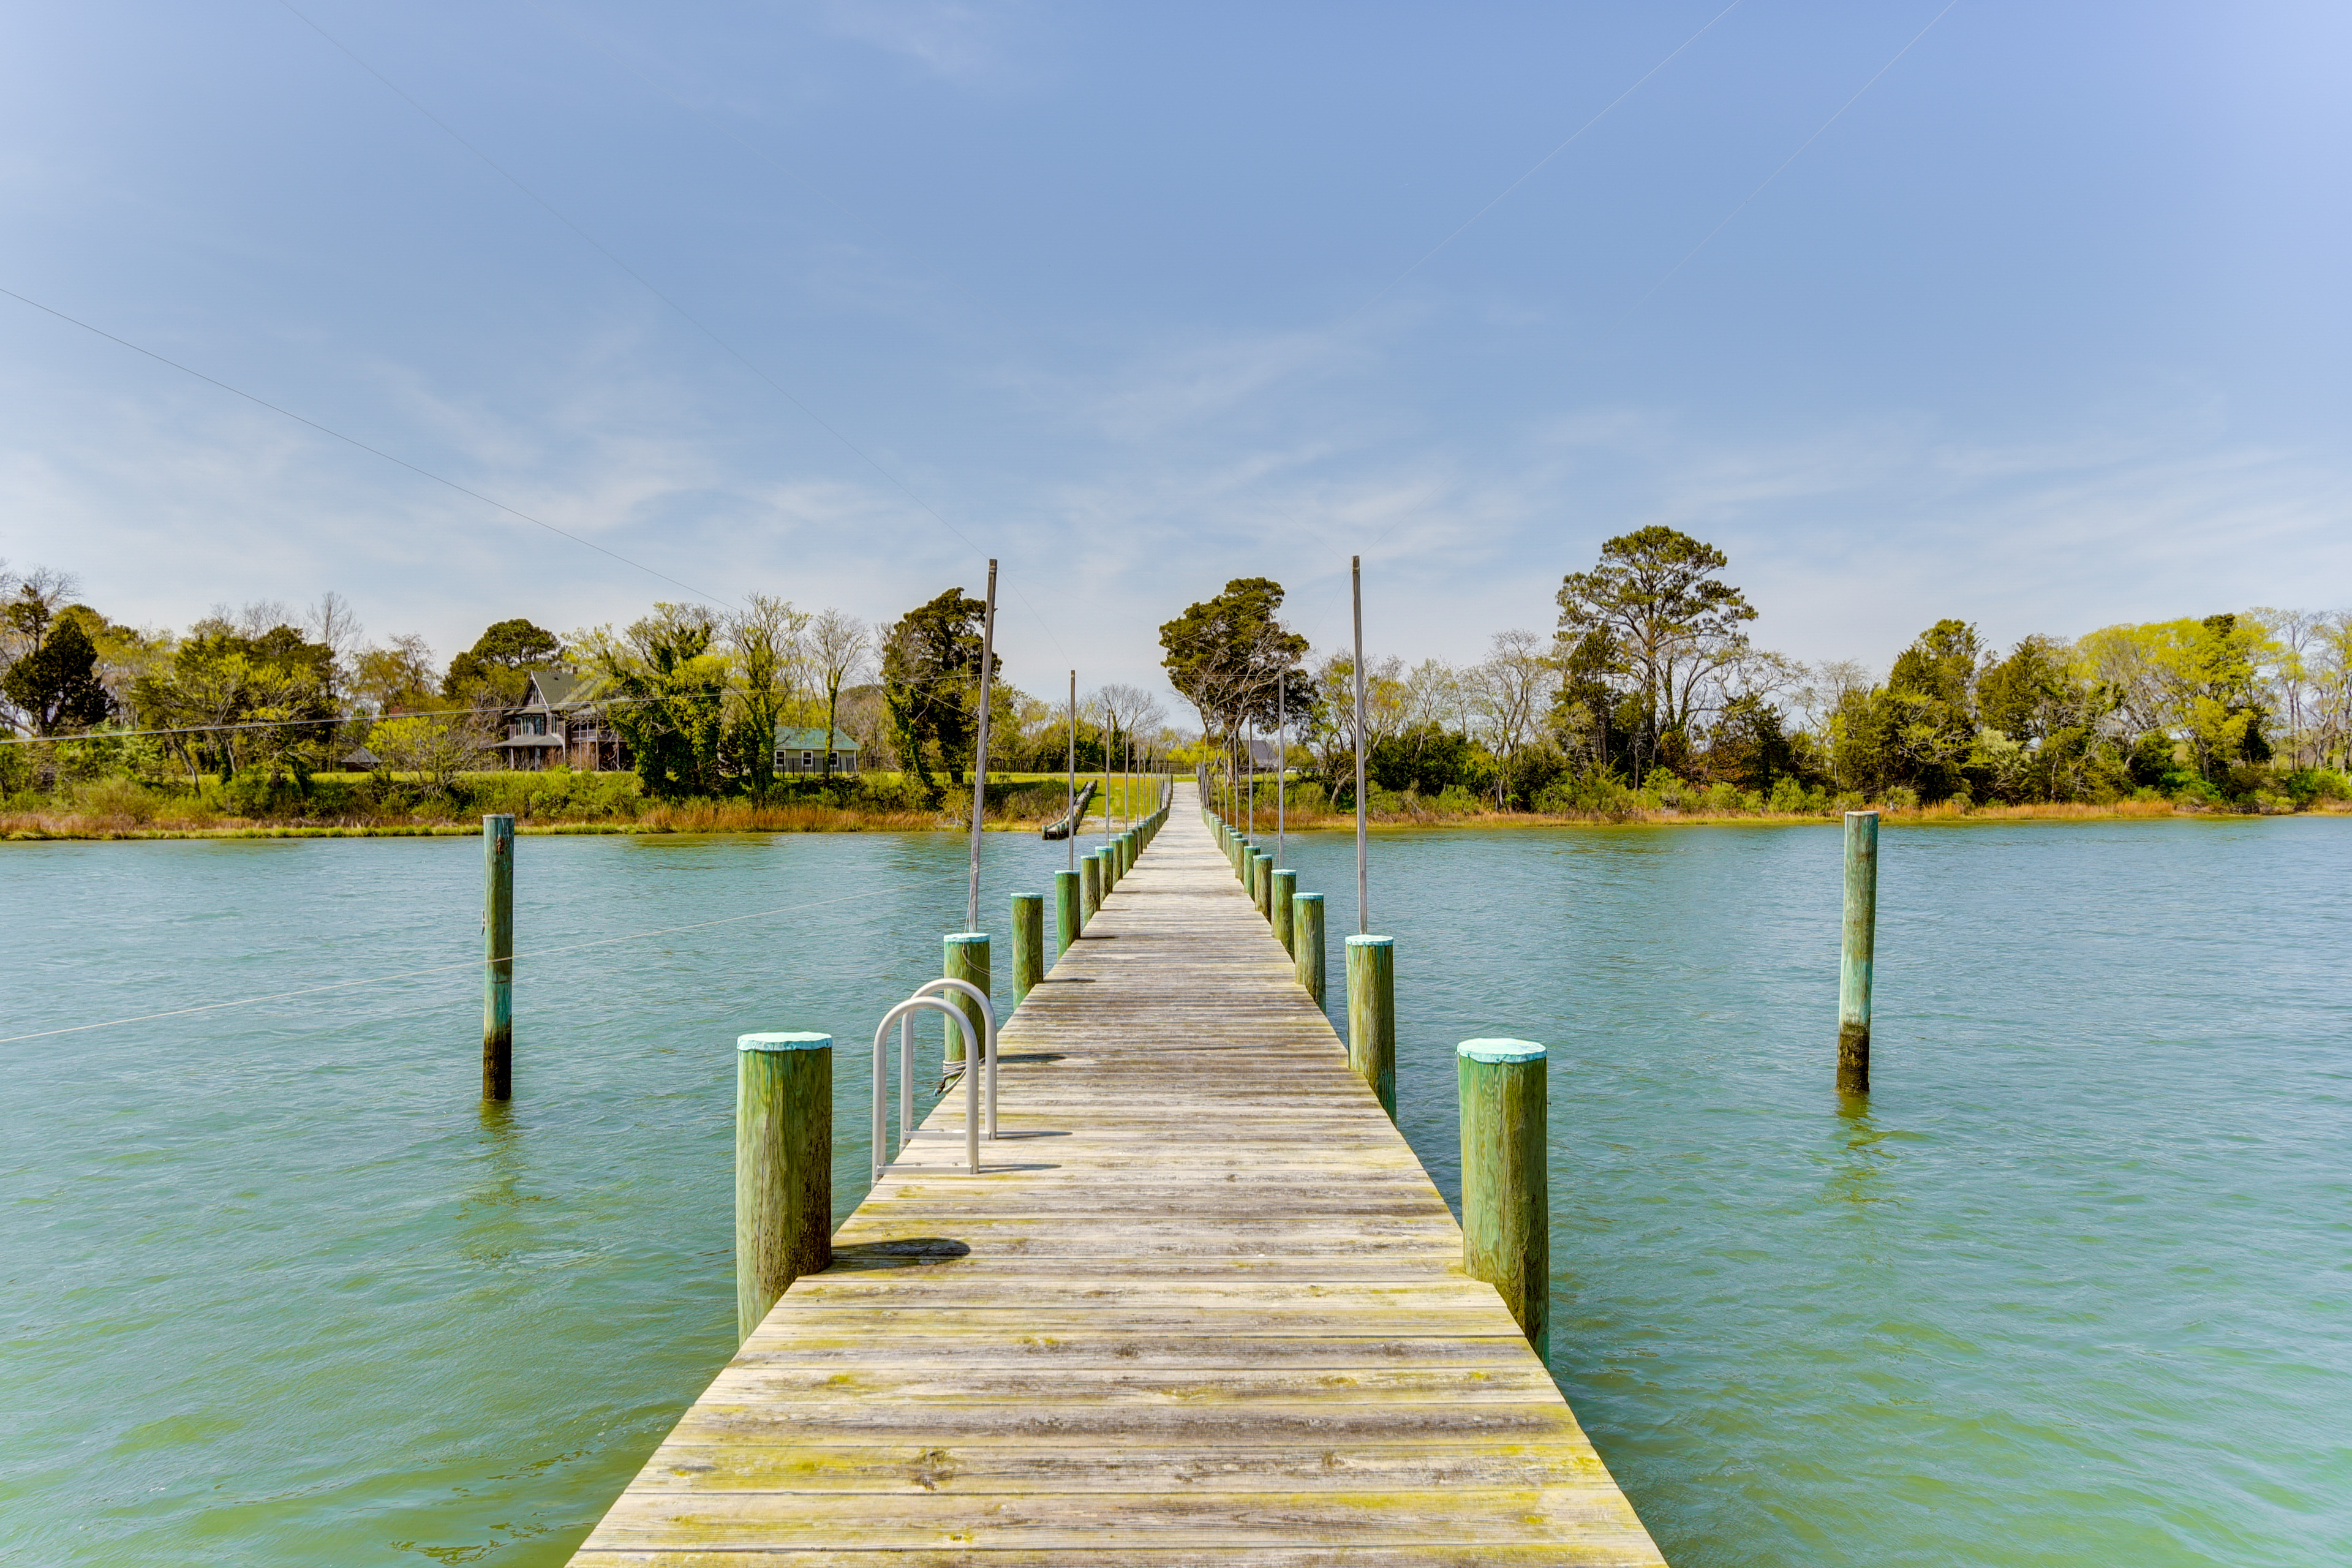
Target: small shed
x=802 y=751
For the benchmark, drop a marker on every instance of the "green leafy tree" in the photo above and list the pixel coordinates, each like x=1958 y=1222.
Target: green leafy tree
x=1232 y=658
x=1671 y=621
x=1597 y=709
x=664 y=687
x=765 y=639
x=931 y=683
x=55 y=685
x=837 y=647
x=497 y=660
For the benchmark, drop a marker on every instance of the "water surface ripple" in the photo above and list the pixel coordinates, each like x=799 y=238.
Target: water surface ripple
x=2073 y=1289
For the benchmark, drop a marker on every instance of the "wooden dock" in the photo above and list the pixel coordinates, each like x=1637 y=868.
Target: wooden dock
x=1202 y=1306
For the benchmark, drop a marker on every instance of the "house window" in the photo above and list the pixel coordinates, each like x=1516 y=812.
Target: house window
x=808 y=761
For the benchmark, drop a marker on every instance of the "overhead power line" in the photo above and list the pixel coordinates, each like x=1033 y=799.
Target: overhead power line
x=684 y=314
x=416 y=468
x=428 y=969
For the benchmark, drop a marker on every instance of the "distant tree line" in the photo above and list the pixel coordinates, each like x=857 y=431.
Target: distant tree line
x=1649 y=691
x=256 y=702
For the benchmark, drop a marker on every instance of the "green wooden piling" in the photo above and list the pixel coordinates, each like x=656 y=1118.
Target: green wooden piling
x=1262 y=884
x=1855 y=950
x=498 y=958
x=966 y=958
x=1506 y=1200
x=783 y=1167
x=1067 y=911
x=1307 y=942
x=1090 y=888
x=1028 y=943
x=1371 y=1014
x=1286 y=888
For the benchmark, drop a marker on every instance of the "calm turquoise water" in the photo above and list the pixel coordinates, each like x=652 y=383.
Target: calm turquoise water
x=2077 y=1289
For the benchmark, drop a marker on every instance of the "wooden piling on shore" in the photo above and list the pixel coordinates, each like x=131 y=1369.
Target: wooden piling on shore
x=783 y=1167
x=1371 y=1014
x=1857 y=949
x=1028 y=943
x=497 y=957
x=1505 y=1187
x=1307 y=942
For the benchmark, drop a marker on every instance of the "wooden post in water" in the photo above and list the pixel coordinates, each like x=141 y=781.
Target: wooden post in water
x=1262 y=882
x=498 y=958
x=783 y=1167
x=1855 y=952
x=1506 y=1197
x=1090 y=888
x=966 y=959
x=1067 y=915
x=1371 y=1014
x=1286 y=888
x=1307 y=942
x=1028 y=943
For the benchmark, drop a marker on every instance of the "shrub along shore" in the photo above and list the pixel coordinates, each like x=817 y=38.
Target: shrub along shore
x=362 y=806
x=365 y=805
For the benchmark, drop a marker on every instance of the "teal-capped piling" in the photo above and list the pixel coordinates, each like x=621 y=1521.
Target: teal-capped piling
x=783 y=1167
x=1506 y=1188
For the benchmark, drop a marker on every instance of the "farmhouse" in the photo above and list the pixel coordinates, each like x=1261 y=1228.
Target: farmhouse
x=556 y=726
x=802 y=751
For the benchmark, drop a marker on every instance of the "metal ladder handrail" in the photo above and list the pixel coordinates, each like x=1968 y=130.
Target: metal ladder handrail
x=906 y=1011
x=988 y=1016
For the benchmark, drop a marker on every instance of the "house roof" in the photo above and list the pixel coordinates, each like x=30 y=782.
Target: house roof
x=788 y=738
x=559 y=690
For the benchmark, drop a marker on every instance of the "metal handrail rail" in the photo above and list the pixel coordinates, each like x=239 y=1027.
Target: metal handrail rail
x=988 y=1016
x=904 y=1011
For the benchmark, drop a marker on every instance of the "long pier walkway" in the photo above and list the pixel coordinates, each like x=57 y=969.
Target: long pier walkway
x=1201 y=1306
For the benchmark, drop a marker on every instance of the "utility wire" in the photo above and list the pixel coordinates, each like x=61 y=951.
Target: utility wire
x=598 y=702
x=1538 y=165
x=682 y=312
x=362 y=446
x=429 y=969
x=1667 y=276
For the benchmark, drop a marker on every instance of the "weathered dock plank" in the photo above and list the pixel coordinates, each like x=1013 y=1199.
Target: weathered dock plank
x=1202 y=1305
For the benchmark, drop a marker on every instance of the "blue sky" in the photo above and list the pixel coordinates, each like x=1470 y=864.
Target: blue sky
x=2047 y=328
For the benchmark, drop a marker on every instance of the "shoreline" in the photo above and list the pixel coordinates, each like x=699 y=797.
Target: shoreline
x=69 y=827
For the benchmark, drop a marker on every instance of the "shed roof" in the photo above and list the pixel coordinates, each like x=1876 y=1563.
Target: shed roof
x=788 y=738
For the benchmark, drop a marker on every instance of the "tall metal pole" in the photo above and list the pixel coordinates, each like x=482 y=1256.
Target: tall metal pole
x=980 y=750
x=1249 y=754
x=1281 y=768
x=1363 y=883
x=1070 y=817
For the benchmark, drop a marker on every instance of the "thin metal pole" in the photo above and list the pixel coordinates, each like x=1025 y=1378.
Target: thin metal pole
x=1281 y=768
x=1070 y=816
x=979 y=751
x=1363 y=883
x=1249 y=760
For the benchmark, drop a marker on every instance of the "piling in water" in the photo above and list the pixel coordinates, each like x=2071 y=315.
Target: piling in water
x=1262 y=884
x=1307 y=942
x=1505 y=1200
x=1855 y=949
x=1371 y=1014
x=498 y=958
x=1028 y=943
x=1066 y=915
x=1090 y=888
x=966 y=958
x=783 y=1167
x=1286 y=888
